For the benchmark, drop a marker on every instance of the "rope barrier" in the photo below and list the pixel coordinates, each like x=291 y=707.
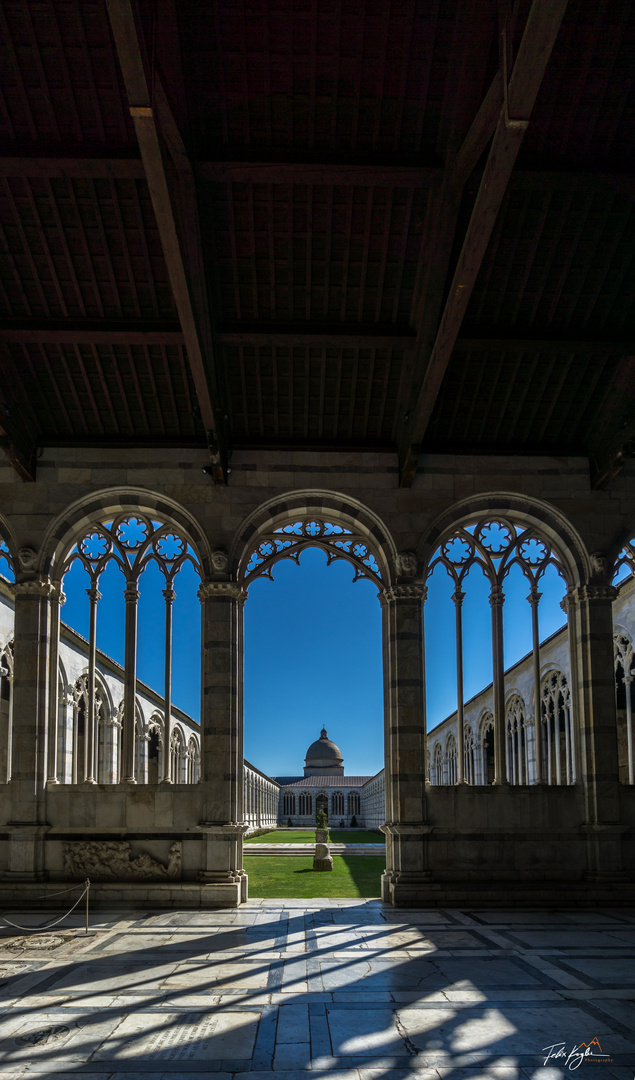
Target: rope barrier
x=47 y=925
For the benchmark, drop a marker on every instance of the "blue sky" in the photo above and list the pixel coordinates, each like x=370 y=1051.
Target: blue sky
x=313 y=650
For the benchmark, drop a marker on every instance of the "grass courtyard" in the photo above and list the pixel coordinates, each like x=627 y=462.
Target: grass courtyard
x=307 y=836
x=293 y=877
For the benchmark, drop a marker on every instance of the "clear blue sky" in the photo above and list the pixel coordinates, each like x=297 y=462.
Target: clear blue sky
x=313 y=650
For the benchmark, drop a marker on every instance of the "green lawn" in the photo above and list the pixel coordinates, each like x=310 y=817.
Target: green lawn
x=307 y=836
x=274 y=877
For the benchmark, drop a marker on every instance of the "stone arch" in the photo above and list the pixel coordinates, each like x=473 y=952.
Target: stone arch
x=7 y=534
x=64 y=530
x=532 y=513
x=303 y=506
x=622 y=537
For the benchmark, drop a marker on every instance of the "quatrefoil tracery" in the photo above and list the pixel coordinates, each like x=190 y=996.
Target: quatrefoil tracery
x=495 y=545
x=626 y=559
x=337 y=542
x=132 y=541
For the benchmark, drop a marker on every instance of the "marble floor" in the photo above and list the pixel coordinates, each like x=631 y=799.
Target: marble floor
x=347 y=988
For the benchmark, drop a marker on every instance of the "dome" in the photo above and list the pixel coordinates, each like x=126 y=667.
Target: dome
x=323 y=755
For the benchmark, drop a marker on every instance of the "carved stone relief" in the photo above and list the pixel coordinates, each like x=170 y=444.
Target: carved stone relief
x=113 y=860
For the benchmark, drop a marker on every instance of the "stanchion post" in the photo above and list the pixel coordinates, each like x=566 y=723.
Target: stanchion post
x=87 y=895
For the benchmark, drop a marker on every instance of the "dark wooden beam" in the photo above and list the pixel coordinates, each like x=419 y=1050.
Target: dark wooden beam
x=541 y=29
x=344 y=336
x=552 y=346
x=90 y=332
x=314 y=335
x=367 y=173
x=344 y=174
x=73 y=168
x=193 y=315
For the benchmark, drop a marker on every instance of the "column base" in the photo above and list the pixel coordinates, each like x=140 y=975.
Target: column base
x=408 y=889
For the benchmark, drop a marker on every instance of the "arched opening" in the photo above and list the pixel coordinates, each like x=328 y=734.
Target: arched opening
x=313 y=659
x=496 y=583
x=138 y=644
x=330 y=668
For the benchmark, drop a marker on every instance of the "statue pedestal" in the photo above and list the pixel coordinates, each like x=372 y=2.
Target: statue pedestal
x=322 y=860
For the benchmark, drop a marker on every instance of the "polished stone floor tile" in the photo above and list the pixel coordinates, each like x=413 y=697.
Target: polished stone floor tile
x=343 y=989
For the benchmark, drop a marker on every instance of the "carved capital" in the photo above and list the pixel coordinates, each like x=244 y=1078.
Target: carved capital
x=93 y=594
x=458 y=596
x=496 y=596
x=39 y=587
x=169 y=596
x=592 y=593
x=398 y=593
x=222 y=590
x=131 y=594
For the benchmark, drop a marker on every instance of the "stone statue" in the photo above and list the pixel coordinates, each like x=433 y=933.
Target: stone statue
x=113 y=861
x=598 y=563
x=220 y=561
x=406 y=563
x=27 y=557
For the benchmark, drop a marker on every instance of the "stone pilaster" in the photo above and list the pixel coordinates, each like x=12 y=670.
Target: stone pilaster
x=31 y=684
x=590 y=615
x=222 y=737
x=404 y=881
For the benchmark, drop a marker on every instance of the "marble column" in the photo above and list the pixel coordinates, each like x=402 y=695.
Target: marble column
x=590 y=615
x=497 y=599
x=131 y=597
x=628 y=680
x=57 y=600
x=31 y=687
x=169 y=596
x=534 y=601
x=405 y=880
x=222 y=737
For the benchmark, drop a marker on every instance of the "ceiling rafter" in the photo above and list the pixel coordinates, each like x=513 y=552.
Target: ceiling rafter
x=432 y=358
x=183 y=254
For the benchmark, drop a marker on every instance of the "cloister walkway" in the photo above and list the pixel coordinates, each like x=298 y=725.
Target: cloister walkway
x=347 y=988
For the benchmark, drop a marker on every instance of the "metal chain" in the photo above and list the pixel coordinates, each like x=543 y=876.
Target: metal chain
x=48 y=925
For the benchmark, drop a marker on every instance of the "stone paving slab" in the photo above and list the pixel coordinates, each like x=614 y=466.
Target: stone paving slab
x=346 y=989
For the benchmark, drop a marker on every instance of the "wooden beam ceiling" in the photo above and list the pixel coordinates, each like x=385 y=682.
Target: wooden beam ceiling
x=183 y=257
x=613 y=437
x=543 y=23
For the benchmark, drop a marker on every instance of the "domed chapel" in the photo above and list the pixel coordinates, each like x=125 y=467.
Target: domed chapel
x=325 y=786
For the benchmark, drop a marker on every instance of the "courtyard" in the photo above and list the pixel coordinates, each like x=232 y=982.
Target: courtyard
x=347 y=988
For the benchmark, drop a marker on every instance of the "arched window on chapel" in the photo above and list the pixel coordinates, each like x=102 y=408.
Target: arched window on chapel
x=517 y=764
x=557 y=735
